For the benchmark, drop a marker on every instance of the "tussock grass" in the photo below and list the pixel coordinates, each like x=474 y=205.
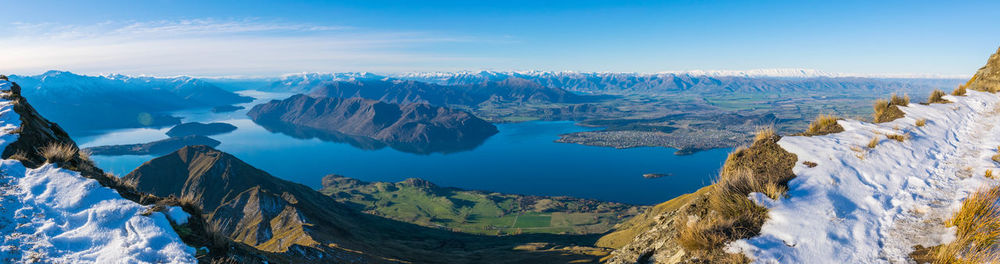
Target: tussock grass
x=872 y=143
x=59 y=152
x=763 y=167
x=960 y=91
x=989 y=174
x=886 y=110
x=921 y=122
x=996 y=157
x=824 y=124
x=977 y=230
x=937 y=97
x=900 y=101
x=897 y=137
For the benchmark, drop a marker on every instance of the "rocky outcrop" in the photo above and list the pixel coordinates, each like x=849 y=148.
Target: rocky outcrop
x=417 y=127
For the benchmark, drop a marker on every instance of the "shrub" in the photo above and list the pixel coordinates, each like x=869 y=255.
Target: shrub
x=59 y=152
x=977 y=230
x=824 y=124
x=921 y=122
x=810 y=164
x=937 y=97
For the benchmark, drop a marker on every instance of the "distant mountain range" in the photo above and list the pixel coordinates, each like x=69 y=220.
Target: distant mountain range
x=693 y=82
x=413 y=127
x=74 y=101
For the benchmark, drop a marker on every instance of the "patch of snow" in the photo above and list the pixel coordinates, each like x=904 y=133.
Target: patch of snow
x=863 y=205
x=178 y=215
x=54 y=215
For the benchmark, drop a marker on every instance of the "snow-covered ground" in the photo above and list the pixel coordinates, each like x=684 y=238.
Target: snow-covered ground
x=53 y=215
x=863 y=205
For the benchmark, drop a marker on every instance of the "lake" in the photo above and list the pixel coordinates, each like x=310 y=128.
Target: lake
x=521 y=159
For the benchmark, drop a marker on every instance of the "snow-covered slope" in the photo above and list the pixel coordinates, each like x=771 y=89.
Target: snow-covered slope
x=54 y=215
x=862 y=205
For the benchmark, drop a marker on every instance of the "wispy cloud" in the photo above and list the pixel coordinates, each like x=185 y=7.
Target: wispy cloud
x=210 y=47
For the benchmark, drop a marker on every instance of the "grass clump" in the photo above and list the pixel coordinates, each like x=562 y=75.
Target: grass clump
x=59 y=152
x=921 y=122
x=937 y=97
x=729 y=215
x=897 y=137
x=900 y=101
x=977 y=230
x=824 y=124
x=873 y=143
x=887 y=110
x=989 y=174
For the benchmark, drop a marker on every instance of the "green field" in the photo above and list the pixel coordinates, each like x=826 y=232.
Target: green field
x=422 y=203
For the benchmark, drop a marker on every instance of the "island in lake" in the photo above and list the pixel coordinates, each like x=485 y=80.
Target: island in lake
x=416 y=127
x=153 y=148
x=226 y=108
x=201 y=129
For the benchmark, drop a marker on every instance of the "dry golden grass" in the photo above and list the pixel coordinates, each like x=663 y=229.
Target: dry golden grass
x=824 y=124
x=937 y=97
x=900 y=101
x=989 y=174
x=960 y=91
x=873 y=142
x=977 y=230
x=729 y=215
x=886 y=111
x=897 y=137
x=58 y=152
x=921 y=122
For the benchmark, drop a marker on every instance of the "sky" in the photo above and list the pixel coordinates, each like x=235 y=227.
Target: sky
x=270 y=38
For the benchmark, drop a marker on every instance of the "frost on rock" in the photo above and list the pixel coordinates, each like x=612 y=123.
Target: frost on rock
x=873 y=205
x=54 y=215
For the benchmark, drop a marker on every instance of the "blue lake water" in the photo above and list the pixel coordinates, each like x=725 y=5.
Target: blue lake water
x=521 y=159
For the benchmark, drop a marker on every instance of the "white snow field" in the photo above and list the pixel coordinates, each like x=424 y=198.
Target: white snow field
x=862 y=205
x=53 y=215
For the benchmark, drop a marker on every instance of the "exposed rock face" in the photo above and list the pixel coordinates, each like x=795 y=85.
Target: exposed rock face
x=422 y=126
x=158 y=147
x=295 y=222
x=201 y=129
x=404 y=92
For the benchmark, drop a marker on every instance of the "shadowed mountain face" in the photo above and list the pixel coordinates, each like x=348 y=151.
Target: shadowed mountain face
x=405 y=92
x=370 y=124
x=274 y=215
x=75 y=101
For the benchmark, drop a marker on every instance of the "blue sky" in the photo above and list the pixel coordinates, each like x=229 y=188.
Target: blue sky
x=259 y=38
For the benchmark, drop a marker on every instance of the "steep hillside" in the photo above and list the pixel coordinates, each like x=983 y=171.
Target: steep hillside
x=274 y=215
x=478 y=212
x=414 y=127
x=122 y=101
x=51 y=212
x=882 y=192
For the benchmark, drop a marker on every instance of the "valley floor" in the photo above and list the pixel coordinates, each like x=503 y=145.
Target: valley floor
x=864 y=204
